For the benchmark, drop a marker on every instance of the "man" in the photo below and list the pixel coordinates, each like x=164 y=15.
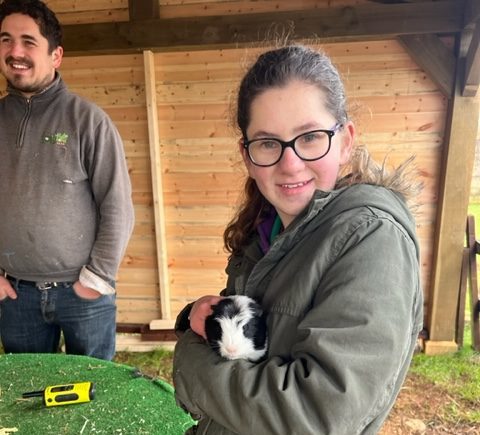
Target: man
x=65 y=197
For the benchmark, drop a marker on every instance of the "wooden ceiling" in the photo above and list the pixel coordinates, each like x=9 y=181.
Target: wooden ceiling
x=420 y=25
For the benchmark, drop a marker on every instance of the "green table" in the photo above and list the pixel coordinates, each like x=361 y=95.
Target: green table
x=125 y=403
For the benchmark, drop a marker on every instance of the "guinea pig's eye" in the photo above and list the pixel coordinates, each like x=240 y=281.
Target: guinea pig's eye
x=238 y=322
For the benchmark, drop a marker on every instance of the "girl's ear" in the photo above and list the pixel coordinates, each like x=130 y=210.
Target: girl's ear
x=348 y=138
x=246 y=159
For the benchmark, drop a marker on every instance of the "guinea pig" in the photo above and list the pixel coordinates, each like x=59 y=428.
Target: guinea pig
x=237 y=328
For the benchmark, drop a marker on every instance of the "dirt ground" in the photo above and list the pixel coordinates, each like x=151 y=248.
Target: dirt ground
x=423 y=408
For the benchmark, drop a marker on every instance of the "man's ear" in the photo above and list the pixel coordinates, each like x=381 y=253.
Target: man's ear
x=348 y=139
x=57 y=56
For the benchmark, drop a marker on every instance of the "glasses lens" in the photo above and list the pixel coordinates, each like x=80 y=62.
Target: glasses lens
x=265 y=151
x=312 y=145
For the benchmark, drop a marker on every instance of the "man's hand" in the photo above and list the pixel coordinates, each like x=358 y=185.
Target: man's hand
x=6 y=289
x=85 y=292
x=201 y=309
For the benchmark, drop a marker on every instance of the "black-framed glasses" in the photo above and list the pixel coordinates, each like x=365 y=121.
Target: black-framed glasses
x=309 y=146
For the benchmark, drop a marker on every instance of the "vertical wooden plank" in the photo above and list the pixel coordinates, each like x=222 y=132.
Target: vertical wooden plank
x=462 y=295
x=157 y=184
x=454 y=189
x=472 y=245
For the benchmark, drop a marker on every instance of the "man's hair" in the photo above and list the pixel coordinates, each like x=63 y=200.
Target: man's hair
x=45 y=18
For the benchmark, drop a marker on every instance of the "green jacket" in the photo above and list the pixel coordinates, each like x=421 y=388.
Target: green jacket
x=341 y=286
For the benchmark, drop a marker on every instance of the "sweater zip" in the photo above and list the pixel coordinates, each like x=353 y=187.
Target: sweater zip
x=23 y=125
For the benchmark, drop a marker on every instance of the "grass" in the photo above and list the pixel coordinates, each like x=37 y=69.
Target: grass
x=156 y=363
x=458 y=375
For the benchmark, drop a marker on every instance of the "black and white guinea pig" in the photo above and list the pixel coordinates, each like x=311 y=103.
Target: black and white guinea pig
x=237 y=328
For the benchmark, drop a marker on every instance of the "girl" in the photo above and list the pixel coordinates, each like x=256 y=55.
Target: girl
x=332 y=258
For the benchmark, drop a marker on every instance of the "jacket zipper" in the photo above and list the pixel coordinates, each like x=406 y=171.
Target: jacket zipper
x=23 y=125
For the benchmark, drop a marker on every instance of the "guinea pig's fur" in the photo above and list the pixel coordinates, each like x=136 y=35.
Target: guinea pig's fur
x=237 y=328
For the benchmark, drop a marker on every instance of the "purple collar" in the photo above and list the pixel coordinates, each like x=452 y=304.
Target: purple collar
x=265 y=230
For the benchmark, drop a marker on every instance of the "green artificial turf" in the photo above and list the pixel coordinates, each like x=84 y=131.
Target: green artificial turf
x=125 y=403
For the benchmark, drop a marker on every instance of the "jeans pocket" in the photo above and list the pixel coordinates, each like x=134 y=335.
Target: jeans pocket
x=80 y=294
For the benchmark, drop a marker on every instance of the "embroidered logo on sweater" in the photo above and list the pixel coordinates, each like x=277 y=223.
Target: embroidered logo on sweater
x=60 y=139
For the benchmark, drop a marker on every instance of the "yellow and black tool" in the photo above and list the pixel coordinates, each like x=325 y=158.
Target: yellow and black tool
x=66 y=394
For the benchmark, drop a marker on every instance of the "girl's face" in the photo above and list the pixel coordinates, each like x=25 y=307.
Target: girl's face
x=284 y=113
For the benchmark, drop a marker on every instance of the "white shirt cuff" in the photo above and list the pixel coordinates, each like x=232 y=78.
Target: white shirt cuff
x=89 y=279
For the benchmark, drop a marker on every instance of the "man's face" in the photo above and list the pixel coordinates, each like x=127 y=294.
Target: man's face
x=25 y=60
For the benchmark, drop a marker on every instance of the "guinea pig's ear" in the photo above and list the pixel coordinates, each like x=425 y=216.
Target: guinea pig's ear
x=213 y=331
x=256 y=309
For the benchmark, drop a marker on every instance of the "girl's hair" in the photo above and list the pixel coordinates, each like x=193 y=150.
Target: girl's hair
x=45 y=18
x=273 y=69
x=276 y=68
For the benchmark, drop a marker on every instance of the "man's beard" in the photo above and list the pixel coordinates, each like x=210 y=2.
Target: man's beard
x=16 y=80
x=26 y=88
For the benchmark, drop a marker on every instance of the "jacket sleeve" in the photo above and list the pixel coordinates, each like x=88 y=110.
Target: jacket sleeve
x=111 y=189
x=351 y=350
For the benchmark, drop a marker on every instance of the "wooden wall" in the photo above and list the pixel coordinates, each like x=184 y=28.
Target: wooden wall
x=398 y=109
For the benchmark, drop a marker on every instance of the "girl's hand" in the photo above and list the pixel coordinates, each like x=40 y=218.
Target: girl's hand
x=201 y=309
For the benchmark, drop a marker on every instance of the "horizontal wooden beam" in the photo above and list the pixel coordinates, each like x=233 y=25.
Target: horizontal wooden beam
x=330 y=24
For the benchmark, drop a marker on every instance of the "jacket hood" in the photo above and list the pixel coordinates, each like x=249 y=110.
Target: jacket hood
x=325 y=205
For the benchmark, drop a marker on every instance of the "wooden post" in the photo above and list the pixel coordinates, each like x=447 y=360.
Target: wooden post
x=458 y=159
x=157 y=185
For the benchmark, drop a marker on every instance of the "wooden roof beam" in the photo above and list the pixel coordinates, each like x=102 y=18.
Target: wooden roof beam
x=437 y=60
x=472 y=12
x=140 y=10
x=333 y=24
x=472 y=65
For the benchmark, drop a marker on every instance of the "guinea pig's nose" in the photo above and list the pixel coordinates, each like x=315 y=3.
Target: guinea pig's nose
x=231 y=350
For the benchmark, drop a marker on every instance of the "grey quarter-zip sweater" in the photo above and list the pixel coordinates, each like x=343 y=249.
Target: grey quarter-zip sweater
x=65 y=193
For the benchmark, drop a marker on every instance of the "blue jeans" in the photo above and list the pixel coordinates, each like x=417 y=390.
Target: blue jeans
x=33 y=322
